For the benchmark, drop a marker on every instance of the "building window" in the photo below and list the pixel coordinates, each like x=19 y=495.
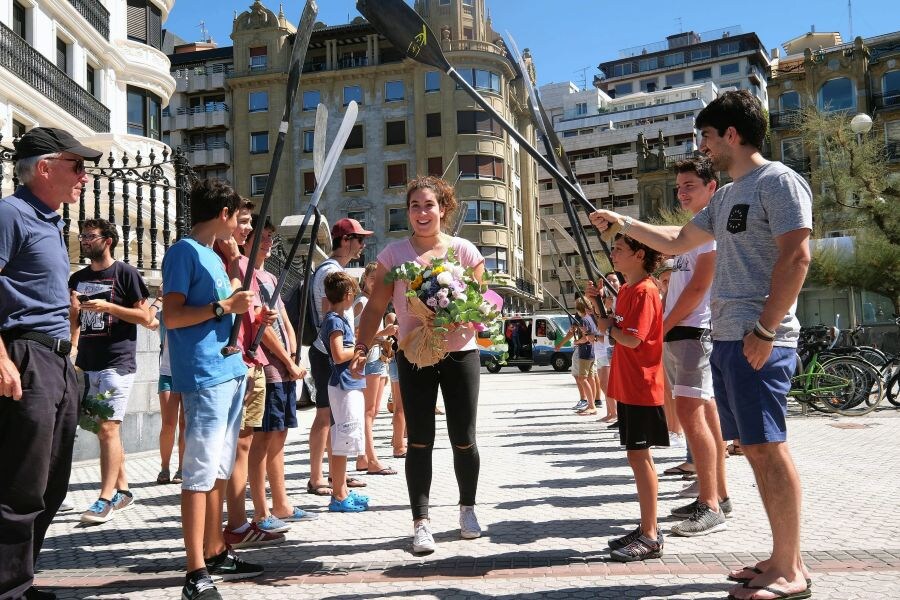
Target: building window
x=19 y=27
x=837 y=94
x=789 y=101
x=444 y=3
x=258 y=101
x=355 y=140
x=397 y=220
x=90 y=80
x=729 y=48
x=623 y=69
x=259 y=58
x=892 y=139
x=494 y=258
x=309 y=182
x=436 y=165
x=309 y=137
x=258 y=184
x=311 y=100
x=62 y=55
x=702 y=74
x=673 y=79
x=433 y=125
x=648 y=85
x=395 y=133
x=354 y=179
x=648 y=64
x=477 y=121
x=890 y=88
x=144 y=22
x=792 y=153
x=432 y=81
x=352 y=93
x=358 y=215
x=394 y=91
x=481 y=79
x=481 y=166
x=623 y=89
x=676 y=58
x=485 y=211
x=259 y=142
x=519 y=236
x=396 y=175
x=581 y=109
x=18 y=129
x=144 y=113
x=729 y=69
x=701 y=53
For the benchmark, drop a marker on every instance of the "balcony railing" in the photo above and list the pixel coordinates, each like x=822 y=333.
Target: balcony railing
x=203 y=70
x=17 y=56
x=525 y=286
x=784 y=120
x=206 y=108
x=889 y=100
x=215 y=145
x=475 y=46
x=94 y=13
x=352 y=62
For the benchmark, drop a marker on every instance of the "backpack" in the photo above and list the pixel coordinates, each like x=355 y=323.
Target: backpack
x=292 y=306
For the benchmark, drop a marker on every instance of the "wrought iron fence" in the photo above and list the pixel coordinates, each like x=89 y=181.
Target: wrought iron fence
x=145 y=196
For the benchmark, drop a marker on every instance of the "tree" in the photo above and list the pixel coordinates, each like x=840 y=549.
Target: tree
x=853 y=189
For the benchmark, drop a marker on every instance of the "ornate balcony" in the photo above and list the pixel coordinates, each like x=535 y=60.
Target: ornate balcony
x=18 y=57
x=94 y=13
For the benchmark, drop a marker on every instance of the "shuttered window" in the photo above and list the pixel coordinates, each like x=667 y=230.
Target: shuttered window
x=354 y=179
x=396 y=175
x=480 y=166
x=144 y=23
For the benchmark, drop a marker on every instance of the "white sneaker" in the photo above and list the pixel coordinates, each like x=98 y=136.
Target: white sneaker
x=423 y=540
x=676 y=440
x=692 y=490
x=469 y=529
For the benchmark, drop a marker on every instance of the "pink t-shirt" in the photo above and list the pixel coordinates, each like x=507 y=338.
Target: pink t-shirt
x=402 y=251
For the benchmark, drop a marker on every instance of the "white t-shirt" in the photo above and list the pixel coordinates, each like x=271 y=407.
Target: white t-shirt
x=681 y=275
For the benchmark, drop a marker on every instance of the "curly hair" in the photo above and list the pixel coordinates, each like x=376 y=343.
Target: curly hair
x=652 y=258
x=442 y=190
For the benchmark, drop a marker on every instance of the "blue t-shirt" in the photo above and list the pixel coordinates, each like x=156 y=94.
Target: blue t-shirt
x=195 y=352
x=586 y=351
x=340 y=373
x=34 y=267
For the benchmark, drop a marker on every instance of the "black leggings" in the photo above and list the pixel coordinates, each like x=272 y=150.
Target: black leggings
x=458 y=376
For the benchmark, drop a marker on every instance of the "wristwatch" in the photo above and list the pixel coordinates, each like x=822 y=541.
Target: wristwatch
x=218 y=310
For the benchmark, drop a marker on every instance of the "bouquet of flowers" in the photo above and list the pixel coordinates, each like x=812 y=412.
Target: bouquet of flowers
x=444 y=296
x=93 y=410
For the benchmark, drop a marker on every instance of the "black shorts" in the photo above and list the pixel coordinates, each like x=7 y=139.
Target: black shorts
x=320 y=369
x=641 y=427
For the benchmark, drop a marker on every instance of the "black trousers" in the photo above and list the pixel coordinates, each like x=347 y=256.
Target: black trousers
x=36 y=438
x=459 y=376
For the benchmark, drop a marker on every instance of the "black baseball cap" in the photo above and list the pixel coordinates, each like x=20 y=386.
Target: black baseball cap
x=49 y=140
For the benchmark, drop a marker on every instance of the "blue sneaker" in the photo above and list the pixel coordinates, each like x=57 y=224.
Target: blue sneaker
x=299 y=515
x=360 y=498
x=100 y=511
x=348 y=504
x=273 y=524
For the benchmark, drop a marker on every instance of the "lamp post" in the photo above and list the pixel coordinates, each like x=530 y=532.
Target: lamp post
x=860 y=125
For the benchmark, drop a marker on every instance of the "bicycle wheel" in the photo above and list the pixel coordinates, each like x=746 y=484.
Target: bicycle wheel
x=892 y=391
x=848 y=386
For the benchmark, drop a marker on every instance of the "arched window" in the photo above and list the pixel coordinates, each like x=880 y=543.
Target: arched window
x=789 y=101
x=890 y=88
x=837 y=94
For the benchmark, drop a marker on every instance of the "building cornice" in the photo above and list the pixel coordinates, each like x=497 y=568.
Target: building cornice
x=147 y=67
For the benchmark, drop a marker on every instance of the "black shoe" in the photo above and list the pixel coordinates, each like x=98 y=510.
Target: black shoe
x=613 y=425
x=199 y=586
x=33 y=593
x=229 y=567
x=642 y=548
x=621 y=542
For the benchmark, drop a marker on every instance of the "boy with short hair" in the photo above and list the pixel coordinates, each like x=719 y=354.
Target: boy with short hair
x=344 y=392
x=636 y=381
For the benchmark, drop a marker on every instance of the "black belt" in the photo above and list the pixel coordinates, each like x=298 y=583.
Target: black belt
x=680 y=332
x=61 y=347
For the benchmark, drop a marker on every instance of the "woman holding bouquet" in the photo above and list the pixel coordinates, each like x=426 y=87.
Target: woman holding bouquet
x=430 y=201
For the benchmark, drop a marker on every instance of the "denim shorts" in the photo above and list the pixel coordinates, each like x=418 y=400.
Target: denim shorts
x=752 y=404
x=212 y=422
x=376 y=367
x=116 y=383
x=281 y=406
x=165 y=384
x=392 y=370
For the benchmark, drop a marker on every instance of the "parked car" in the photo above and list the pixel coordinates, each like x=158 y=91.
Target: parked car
x=530 y=341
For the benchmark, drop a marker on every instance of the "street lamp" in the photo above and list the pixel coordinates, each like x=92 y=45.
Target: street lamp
x=860 y=125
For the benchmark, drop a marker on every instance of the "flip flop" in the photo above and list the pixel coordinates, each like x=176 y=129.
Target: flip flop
x=353 y=482
x=587 y=412
x=756 y=572
x=163 y=478
x=779 y=594
x=679 y=470
x=402 y=455
x=319 y=490
x=384 y=471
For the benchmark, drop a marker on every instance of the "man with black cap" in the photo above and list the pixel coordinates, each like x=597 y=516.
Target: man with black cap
x=348 y=242
x=38 y=389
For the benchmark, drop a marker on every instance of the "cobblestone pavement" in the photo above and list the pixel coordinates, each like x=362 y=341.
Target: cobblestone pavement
x=554 y=486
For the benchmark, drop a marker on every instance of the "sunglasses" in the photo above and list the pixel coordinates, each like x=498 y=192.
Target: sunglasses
x=79 y=163
x=89 y=237
x=355 y=236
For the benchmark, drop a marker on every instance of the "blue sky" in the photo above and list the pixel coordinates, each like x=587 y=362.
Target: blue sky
x=566 y=36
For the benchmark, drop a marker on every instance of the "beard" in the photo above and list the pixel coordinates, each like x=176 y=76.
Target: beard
x=93 y=252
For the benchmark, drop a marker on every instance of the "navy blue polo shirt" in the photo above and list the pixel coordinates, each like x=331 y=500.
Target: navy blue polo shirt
x=34 y=267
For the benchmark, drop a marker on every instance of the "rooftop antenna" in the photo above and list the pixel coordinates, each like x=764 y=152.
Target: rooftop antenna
x=583 y=71
x=850 y=16
x=680 y=25
x=204 y=33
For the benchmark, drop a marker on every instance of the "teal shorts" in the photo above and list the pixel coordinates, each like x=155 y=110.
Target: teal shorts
x=165 y=384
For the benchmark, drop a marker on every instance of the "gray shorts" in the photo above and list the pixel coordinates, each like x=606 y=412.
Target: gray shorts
x=687 y=368
x=117 y=384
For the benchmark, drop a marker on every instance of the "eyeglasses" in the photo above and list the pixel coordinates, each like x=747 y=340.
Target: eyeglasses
x=90 y=237
x=356 y=236
x=79 y=163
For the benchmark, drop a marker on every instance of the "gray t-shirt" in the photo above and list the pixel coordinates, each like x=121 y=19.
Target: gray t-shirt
x=745 y=217
x=318 y=291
